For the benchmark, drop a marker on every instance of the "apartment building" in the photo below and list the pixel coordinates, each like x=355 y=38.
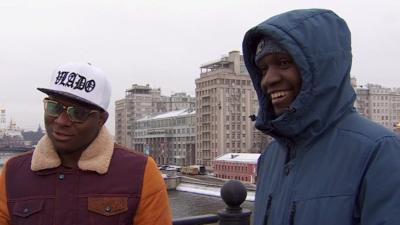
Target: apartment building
x=121 y=125
x=177 y=101
x=139 y=101
x=2 y=118
x=379 y=104
x=225 y=98
x=168 y=137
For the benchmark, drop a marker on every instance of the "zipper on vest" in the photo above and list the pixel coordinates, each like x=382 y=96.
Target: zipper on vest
x=292 y=213
x=268 y=213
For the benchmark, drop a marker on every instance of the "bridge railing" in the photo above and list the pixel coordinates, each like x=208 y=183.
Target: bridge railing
x=233 y=193
x=197 y=220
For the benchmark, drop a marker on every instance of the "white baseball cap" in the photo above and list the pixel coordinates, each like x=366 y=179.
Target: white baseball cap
x=80 y=81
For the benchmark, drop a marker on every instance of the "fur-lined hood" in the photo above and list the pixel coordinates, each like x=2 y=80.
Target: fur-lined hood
x=96 y=157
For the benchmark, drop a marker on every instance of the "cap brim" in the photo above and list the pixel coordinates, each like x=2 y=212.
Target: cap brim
x=67 y=95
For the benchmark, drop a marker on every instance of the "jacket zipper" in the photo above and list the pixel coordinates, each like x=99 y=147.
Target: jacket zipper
x=292 y=213
x=291 y=153
x=269 y=204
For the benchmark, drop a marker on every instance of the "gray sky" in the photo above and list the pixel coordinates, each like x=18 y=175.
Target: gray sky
x=162 y=43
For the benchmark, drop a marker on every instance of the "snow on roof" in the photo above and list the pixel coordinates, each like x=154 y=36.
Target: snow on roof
x=239 y=157
x=182 y=112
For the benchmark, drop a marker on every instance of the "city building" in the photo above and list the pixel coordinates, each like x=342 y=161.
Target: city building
x=11 y=137
x=168 y=137
x=139 y=102
x=15 y=139
x=225 y=99
x=379 y=104
x=121 y=122
x=31 y=138
x=238 y=166
x=176 y=101
x=2 y=119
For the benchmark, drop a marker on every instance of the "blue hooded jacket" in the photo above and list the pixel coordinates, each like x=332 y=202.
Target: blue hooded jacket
x=328 y=165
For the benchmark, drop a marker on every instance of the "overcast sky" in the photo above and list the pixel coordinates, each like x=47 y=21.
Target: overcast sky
x=162 y=43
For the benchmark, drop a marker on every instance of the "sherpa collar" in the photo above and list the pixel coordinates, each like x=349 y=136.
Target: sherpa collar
x=96 y=157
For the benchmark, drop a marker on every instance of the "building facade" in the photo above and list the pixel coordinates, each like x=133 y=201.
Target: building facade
x=139 y=101
x=177 y=101
x=379 y=104
x=168 y=137
x=121 y=122
x=225 y=98
x=238 y=166
x=2 y=118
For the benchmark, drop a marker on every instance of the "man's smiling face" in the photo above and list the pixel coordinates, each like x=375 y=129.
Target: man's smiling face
x=281 y=80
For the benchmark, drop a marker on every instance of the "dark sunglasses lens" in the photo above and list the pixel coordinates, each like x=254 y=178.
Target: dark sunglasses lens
x=53 y=108
x=78 y=114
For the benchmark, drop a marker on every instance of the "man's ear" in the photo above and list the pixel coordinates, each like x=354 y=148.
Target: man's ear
x=103 y=118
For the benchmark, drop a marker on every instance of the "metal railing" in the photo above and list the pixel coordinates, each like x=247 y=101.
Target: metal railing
x=197 y=220
x=233 y=193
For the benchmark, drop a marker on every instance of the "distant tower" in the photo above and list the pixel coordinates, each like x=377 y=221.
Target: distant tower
x=3 y=124
x=12 y=125
x=39 y=130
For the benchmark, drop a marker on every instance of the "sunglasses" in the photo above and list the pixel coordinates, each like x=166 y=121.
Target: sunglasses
x=75 y=113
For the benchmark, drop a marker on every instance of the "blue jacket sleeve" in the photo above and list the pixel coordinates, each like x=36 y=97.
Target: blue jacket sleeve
x=379 y=197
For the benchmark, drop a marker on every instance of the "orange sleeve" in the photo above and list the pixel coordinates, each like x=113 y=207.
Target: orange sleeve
x=4 y=215
x=154 y=206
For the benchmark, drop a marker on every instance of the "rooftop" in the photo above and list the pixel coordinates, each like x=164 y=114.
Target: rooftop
x=239 y=157
x=176 y=113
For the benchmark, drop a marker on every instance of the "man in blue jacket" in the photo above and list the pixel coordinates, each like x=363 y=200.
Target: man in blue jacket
x=328 y=164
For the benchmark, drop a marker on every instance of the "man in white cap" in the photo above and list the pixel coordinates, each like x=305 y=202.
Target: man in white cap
x=77 y=174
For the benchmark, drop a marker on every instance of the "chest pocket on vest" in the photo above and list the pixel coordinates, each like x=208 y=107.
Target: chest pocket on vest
x=107 y=210
x=27 y=212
